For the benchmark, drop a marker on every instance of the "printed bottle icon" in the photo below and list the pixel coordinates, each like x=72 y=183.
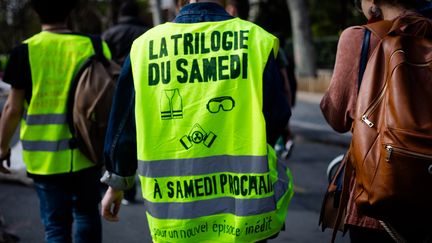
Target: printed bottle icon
x=171 y=104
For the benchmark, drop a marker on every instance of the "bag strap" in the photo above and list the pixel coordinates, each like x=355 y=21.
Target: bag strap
x=347 y=167
x=380 y=28
x=347 y=174
x=98 y=49
x=363 y=57
x=99 y=55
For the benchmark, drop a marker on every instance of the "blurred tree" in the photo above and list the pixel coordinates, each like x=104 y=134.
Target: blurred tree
x=331 y=17
x=115 y=6
x=254 y=7
x=327 y=18
x=156 y=10
x=304 y=53
x=91 y=17
x=18 y=22
x=13 y=15
x=274 y=18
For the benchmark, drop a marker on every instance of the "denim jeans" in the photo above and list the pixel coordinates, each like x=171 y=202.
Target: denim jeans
x=69 y=205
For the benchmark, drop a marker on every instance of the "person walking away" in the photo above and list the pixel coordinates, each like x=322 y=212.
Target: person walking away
x=40 y=71
x=339 y=102
x=209 y=105
x=120 y=36
x=285 y=144
x=119 y=39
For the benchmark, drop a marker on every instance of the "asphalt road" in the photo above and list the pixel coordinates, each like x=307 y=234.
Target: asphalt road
x=315 y=146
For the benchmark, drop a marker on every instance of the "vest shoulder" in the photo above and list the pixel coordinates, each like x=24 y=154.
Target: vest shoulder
x=60 y=36
x=256 y=28
x=176 y=28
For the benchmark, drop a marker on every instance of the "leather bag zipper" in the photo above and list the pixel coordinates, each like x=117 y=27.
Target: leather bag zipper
x=390 y=150
x=372 y=107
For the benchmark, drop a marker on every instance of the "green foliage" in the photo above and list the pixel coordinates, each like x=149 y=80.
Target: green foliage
x=18 y=21
x=328 y=18
x=332 y=16
x=326 y=51
x=3 y=62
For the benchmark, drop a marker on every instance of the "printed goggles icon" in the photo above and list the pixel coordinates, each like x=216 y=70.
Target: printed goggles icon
x=226 y=103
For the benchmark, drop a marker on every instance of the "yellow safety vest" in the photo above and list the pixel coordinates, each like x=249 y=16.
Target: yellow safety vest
x=54 y=60
x=206 y=171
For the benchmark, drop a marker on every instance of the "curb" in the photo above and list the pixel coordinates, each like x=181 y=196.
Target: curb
x=312 y=97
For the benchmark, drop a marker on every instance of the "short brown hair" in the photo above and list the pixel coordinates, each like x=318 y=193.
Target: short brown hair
x=404 y=3
x=242 y=7
x=53 y=11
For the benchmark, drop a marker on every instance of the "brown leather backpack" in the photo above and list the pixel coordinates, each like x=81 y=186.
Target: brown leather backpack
x=89 y=102
x=391 y=149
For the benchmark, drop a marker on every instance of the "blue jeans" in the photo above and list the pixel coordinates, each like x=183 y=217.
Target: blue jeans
x=69 y=203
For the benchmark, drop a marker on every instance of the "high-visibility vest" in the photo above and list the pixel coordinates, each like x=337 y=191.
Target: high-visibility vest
x=54 y=60
x=206 y=171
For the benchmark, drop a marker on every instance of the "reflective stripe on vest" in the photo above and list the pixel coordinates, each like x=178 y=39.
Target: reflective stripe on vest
x=45 y=119
x=54 y=60
x=201 y=138
x=196 y=209
x=239 y=207
x=201 y=166
x=45 y=145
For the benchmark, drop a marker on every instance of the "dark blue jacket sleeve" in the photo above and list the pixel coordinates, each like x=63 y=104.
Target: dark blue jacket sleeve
x=120 y=140
x=276 y=108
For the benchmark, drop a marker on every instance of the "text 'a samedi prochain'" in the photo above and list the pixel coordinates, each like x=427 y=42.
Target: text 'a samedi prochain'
x=223 y=184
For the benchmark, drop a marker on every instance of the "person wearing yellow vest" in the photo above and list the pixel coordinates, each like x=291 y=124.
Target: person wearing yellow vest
x=40 y=72
x=197 y=109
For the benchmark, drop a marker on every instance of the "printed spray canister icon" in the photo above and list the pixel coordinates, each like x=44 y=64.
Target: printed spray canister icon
x=198 y=135
x=171 y=104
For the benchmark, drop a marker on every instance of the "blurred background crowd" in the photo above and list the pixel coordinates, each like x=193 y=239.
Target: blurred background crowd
x=310 y=27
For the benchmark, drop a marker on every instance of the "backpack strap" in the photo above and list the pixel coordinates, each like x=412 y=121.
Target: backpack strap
x=344 y=197
x=364 y=56
x=347 y=169
x=380 y=28
x=98 y=49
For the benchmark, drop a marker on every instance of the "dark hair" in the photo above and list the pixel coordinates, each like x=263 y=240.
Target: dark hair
x=129 y=8
x=242 y=7
x=405 y=3
x=53 y=11
x=425 y=8
x=422 y=6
